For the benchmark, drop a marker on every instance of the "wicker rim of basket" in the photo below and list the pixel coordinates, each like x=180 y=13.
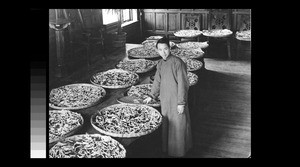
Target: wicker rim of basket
x=200 y=66
x=207 y=33
x=194 y=56
x=97 y=100
x=172 y=44
x=126 y=135
x=138 y=71
x=243 y=39
x=196 y=80
x=188 y=36
x=151 y=105
x=119 y=86
x=143 y=57
x=200 y=45
x=71 y=132
x=123 y=155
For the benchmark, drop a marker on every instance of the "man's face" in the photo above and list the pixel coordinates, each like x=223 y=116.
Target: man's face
x=163 y=50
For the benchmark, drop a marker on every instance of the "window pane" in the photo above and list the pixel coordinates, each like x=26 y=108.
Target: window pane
x=126 y=15
x=134 y=14
x=109 y=16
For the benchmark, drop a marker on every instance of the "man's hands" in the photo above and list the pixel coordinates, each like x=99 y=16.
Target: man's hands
x=180 y=109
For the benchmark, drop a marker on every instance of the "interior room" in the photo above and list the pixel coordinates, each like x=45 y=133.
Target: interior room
x=104 y=64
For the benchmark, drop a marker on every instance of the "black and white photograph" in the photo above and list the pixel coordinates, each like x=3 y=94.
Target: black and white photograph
x=149 y=83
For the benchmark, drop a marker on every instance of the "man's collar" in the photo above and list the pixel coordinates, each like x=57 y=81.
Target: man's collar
x=168 y=57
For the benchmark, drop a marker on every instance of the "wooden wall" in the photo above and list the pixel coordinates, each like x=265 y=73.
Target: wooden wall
x=241 y=19
x=151 y=22
x=82 y=19
x=167 y=21
x=133 y=33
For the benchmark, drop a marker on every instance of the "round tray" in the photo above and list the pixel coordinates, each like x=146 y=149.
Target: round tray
x=144 y=86
x=152 y=43
x=105 y=139
x=196 y=33
x=214 y=33
x=157 y=37
x=72 y=131
x=190 y=74
x=132 y=100
x=241 y=38
x=188 y=61
x=153 y=111
x=95 y=101
x=154 y=63
x=192 y=45
x=135 y=80
x=188 y=53
x=142 y=53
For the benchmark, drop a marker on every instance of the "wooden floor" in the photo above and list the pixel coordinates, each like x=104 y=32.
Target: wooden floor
x=221 y=114
x=221 y=111
x=222 y=118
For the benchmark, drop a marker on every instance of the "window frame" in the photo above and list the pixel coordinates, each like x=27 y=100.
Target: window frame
x=130 y=16
x=125 y=22
x=104 y=19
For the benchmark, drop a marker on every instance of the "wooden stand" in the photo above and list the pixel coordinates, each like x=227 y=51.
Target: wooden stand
x=59 y=25
x=227 y=39
x=239 y=47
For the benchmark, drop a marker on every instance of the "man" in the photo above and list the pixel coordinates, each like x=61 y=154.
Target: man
x=171 y=83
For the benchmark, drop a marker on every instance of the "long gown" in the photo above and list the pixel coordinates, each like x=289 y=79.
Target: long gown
x=171 y=83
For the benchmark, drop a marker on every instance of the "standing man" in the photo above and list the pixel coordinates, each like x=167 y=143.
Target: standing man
x=171 y=83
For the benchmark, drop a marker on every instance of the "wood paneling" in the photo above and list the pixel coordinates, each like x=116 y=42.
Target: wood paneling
x=220 y=19
x=167 y=21
x=90 y=17
x=148 y=17
x=52 y=14
x=172 y=22
x=133 y=33
x=233 y=19
x=242 y=10
x=204 y=18
x=243 y=22
x=81 y=21
x=187 y=16
x=241 y=19
x=160 y=21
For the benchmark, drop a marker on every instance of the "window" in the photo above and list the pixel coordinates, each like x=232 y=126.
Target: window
x=109 y=16
x=127 y=15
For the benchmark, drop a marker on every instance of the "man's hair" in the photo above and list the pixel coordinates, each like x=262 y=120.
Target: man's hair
x=164 y=40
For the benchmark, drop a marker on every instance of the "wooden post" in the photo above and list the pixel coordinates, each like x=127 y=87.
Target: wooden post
x=228 y=48
x=59 y=25
x=141 y=24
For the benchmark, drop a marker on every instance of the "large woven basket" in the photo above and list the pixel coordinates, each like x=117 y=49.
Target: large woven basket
x=93 y=79
x=70 y=133
x=136 y=61
x=153 y=111
x=56 y=148
x=95 y=101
